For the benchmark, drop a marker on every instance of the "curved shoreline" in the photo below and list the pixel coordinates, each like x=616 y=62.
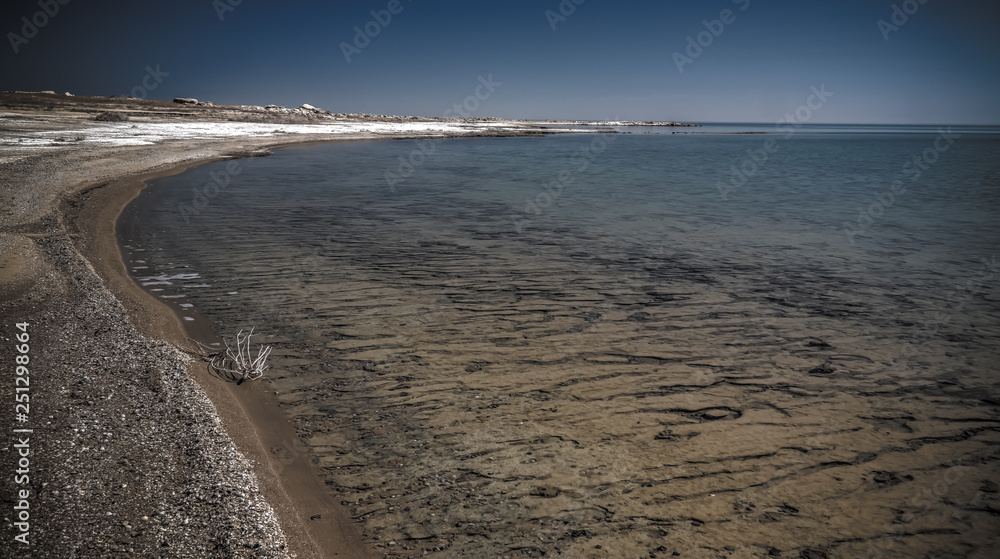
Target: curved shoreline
x=471 y=430
x=317 y=526
x=176 y=469
x=134 y=456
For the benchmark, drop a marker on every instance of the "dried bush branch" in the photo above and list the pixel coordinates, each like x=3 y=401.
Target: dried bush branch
x=241 y=363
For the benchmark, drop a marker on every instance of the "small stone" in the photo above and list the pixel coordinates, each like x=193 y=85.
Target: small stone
x=546 y=492
x=714 y=414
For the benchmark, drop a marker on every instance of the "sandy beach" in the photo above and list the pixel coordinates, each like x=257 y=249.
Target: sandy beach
x=542 y=406
x=137 y=447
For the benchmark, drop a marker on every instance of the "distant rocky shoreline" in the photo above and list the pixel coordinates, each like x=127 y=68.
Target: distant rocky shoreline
x=305 y=113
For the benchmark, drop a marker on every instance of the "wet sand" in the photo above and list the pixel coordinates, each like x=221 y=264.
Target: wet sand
x=312 y=520
x=128 y=455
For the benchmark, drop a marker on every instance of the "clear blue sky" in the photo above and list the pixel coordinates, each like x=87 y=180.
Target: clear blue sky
x=607 y=59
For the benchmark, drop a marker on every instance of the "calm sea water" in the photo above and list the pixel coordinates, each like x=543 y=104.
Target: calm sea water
x=404 y=283
x=917 y=205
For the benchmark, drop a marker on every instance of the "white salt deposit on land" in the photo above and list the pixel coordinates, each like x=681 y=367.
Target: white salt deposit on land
x=148 y=133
